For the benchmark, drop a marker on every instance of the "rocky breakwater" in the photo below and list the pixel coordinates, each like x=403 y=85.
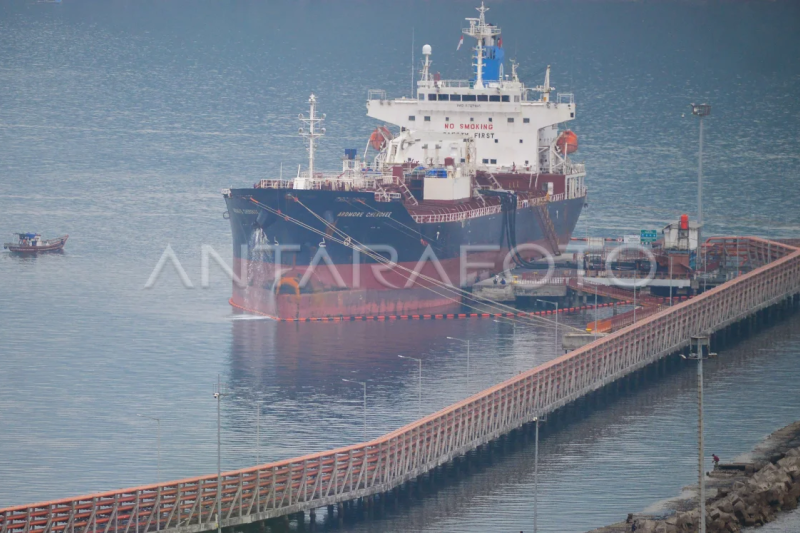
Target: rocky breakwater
x=748 y=502
x=748 y=493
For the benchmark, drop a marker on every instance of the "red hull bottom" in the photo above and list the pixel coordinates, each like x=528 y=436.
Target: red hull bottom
x=343 y=303
x=371 y=296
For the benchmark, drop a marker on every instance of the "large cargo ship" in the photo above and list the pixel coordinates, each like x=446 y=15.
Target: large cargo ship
x=463 y=180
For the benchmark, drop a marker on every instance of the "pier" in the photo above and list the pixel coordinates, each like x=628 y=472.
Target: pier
x=368 y=472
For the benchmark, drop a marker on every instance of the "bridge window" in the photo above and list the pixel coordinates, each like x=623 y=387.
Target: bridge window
x=431 y=97
x=455 y=97
x=520 y=141
x=526 y=121
x=483 y=97
x=510 y=120
x=505 y=98
x=421 y=96
x=494 y=161
x=572 y=115
x=412 y=118
x=444 y=97
x=494 y=98
x=427 y=119
x=468 y=98
x=485 y=161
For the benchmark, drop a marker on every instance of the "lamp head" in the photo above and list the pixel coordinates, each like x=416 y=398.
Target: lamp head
x=701 y=110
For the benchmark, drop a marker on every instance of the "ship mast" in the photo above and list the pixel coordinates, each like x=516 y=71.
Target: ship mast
x=545 y=89
x=426 y=67
x=313 y=132
x=481 y=32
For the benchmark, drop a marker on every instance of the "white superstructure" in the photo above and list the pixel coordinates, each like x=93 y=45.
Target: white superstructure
x=514 y=128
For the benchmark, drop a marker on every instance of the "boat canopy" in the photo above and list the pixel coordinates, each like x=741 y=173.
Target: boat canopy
x=27 y=235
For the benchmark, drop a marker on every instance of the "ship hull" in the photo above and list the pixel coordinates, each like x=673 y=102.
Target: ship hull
x=285 y=270
x=52 y=245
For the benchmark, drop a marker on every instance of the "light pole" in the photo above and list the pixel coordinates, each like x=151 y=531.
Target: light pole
x=536 y=476
x=469 y=386
x=670 y=280
x=218 y=396
x=555 y=341
x=363 y=384
x=634 y=295
x=595 y=311
x=258 y=433
x=738 y=261
x=158 y=441
x=696 y=345
x=700 y=110
x=419 y=385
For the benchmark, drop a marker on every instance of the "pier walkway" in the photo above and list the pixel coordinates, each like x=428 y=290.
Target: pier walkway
x=376 y=467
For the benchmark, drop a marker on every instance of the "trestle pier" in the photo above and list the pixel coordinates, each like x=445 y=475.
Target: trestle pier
x=369 y=473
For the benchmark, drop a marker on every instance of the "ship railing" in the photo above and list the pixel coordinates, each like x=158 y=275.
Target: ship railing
x=573 y=169
x=539 y=280
x=445 y=83
x=376 y=94
x=385 y=196
x=458 y=216
x=491 y=30
x=565 y=98
x=275 y=184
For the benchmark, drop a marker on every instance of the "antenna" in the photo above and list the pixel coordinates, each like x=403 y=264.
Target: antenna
x=312 y=121
x=412 y=63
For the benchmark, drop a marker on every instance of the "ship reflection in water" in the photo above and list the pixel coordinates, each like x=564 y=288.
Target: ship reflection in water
x=296 y=371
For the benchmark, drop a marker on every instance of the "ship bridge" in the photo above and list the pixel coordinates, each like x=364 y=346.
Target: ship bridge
x=515 y=128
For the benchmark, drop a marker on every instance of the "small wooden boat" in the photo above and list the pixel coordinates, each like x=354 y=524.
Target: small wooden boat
x=32 y=243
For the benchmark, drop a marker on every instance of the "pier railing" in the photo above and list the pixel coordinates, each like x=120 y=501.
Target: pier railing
x=320 y=479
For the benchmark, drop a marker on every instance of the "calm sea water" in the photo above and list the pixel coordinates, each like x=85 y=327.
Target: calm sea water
x=121 y=121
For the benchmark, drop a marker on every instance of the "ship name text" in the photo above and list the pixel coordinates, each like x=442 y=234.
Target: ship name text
x=354 y=214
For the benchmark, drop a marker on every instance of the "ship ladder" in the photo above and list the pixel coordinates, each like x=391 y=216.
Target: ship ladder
x=495 y=183
x=547 y=227
x=406 y=192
